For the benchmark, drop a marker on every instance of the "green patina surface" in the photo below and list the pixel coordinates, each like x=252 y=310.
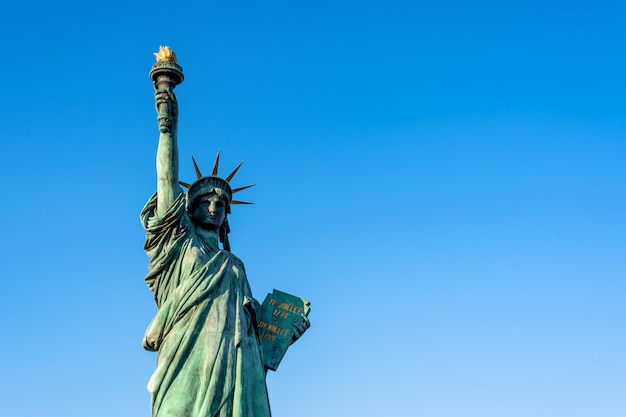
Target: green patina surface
x=210 y=351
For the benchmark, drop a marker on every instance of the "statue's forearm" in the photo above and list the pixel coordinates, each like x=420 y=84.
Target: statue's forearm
x=168 y=188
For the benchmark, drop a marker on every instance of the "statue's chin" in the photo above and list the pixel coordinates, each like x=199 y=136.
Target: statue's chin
x=209 y=227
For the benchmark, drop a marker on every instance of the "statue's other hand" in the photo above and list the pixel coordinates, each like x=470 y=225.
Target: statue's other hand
x=150 y=345
x=299 y=327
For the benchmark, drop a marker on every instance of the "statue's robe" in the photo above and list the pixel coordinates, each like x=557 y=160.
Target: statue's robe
x=209 y=356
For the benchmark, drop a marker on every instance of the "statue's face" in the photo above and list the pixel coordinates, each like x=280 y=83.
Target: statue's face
x=209 y=212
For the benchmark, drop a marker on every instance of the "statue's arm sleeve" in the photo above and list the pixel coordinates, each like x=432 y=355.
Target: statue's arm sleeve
x=166 y=235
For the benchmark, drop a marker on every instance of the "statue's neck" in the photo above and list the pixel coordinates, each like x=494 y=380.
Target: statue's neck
x=208 y=237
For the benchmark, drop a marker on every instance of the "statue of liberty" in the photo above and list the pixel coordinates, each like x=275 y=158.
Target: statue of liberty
x=205 y=331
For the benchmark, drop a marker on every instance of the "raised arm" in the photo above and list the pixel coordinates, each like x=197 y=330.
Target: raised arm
x=168 y=188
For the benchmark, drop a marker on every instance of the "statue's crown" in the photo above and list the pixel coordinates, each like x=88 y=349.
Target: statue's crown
x=213 y=184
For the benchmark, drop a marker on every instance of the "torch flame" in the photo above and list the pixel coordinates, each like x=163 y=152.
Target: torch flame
x=165 y=54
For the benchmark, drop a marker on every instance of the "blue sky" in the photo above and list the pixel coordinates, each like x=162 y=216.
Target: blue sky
x=445 y=182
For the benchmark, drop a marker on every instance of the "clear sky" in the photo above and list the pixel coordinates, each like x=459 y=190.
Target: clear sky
x=445 y=181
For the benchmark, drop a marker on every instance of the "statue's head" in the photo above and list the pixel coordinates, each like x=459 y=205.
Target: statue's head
x=209 y=186
x=209 y=211
x=209 y=200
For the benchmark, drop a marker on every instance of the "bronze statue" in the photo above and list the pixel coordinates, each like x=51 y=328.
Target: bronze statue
x=205 y=331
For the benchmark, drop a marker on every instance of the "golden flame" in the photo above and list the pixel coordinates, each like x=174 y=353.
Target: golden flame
x=165 y=54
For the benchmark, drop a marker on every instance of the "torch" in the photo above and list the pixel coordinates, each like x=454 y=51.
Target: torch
x=166 y=74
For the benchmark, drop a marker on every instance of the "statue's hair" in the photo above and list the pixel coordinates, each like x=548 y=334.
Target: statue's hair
x=223 y=233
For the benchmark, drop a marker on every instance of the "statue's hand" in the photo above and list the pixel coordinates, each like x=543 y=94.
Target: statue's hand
x=166 y=96
x=299 y=327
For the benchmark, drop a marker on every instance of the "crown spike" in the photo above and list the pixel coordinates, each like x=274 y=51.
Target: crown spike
x=198 y=173
x=232 y=174
x=240 y=202
x=184 y=184
x=217 y=164
x=236 y=190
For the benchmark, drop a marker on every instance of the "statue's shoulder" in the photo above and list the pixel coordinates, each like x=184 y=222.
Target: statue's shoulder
x=232 y=258
x=174 y=213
